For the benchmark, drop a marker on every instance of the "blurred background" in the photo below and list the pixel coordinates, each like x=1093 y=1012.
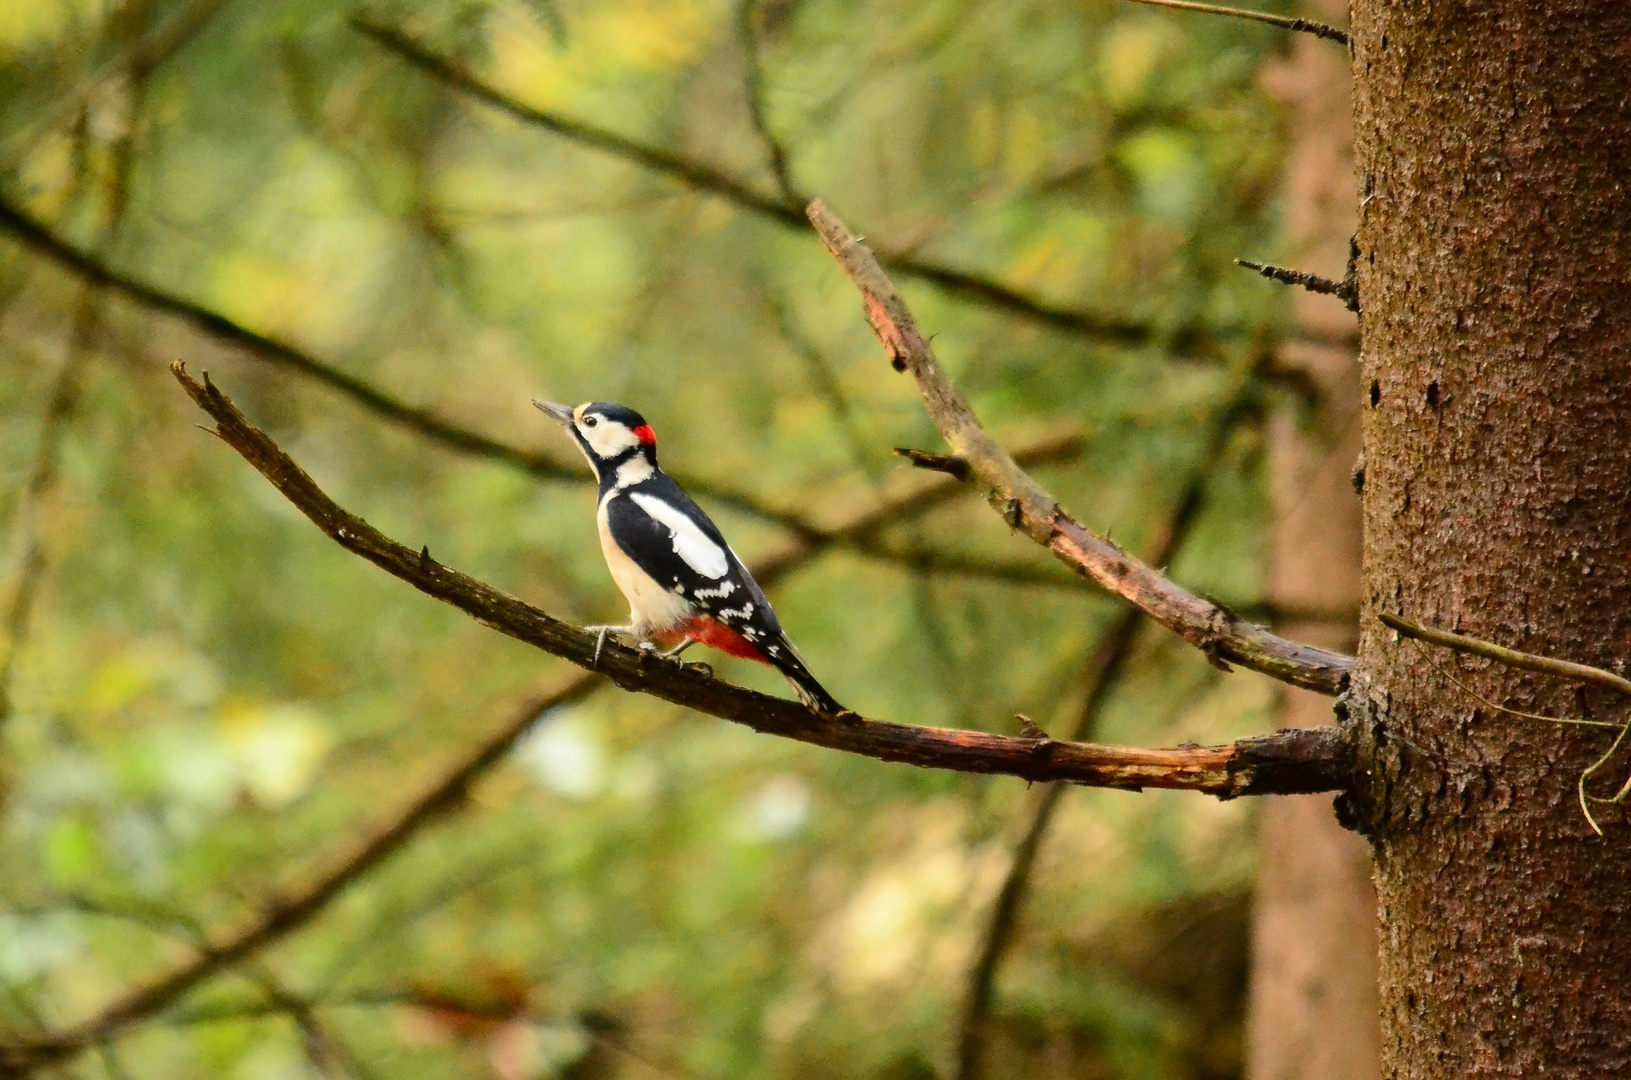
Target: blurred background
x=384 y=230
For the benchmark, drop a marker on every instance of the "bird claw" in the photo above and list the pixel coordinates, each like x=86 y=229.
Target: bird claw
x=600 y=633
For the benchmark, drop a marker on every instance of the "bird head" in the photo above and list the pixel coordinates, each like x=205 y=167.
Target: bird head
x=609 y=435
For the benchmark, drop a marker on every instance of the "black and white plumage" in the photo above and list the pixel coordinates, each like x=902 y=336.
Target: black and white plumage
x=683 y=583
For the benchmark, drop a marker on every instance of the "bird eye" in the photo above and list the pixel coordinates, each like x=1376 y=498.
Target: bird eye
x=589 y=421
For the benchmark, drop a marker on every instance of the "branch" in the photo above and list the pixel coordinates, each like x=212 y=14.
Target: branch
x=754 y=85
x=1103 y=671
x=1346 y=290
x=93 y=271
x=703 y=177
x=1288 y=762
x=1284 y=22
x=1563 y=669
x=1023 y=503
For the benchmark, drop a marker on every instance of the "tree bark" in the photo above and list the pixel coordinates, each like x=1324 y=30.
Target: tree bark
x=1312 y=1013
x=1495 y=279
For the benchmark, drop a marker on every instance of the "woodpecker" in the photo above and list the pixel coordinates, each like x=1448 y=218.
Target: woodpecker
x=684 y=584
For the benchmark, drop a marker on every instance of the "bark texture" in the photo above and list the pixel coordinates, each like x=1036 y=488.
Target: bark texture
x=1495 y=279
x=1312 y=1013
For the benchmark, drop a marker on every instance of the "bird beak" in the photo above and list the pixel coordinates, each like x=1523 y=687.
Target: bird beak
x=559 y=413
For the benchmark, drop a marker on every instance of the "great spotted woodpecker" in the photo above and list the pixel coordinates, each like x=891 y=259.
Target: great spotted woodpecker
x=684 y=584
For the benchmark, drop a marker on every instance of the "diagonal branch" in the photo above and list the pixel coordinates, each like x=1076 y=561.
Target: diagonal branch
x=1025 y=505
x=703 y=177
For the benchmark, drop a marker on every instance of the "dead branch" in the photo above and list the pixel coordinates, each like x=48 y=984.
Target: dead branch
x=1025 y=505
x=1284 y=22
x=445 y=796
x=1346 y=290
x=1294 y=761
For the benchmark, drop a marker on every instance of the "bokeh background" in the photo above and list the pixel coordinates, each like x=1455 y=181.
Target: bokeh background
x=206 y=703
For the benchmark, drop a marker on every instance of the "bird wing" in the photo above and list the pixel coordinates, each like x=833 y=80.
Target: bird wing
x=670 y=538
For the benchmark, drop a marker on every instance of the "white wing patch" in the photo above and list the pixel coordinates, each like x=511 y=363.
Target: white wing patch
x=691 y=544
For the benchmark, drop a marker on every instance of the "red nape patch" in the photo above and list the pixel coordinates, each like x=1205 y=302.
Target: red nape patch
x=646 y=435
x=716 y=635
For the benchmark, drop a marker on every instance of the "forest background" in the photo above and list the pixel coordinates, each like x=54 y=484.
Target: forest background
x=203 y=699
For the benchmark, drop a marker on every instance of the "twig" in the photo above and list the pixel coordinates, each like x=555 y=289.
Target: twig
x=1563 y=669
x=1574 y=721
x=703 y=177
x=1024 y=505
x=755 y=86
x=1285 y=22
x=1103 y=671
x=950 y=464
x=1346 y=290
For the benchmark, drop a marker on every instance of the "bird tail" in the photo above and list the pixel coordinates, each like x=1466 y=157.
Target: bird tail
x=788 y=661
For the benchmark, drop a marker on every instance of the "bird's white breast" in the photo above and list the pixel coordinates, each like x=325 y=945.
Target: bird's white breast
x=651 y=606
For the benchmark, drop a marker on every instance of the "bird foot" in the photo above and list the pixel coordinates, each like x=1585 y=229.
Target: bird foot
x=600 y=633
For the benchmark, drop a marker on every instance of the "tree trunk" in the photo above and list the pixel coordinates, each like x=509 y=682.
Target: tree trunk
x=1495 y=276
x=1312 y=1013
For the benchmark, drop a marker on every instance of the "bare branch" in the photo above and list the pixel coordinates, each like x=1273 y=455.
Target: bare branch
x=950 y=464
x=703 y=177
x=1346 y=290
x=1284 y=22
x=746 y=15
x=1024 y=505
x=1563 y=669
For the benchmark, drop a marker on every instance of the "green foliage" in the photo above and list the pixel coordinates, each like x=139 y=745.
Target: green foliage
x=211 y=698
